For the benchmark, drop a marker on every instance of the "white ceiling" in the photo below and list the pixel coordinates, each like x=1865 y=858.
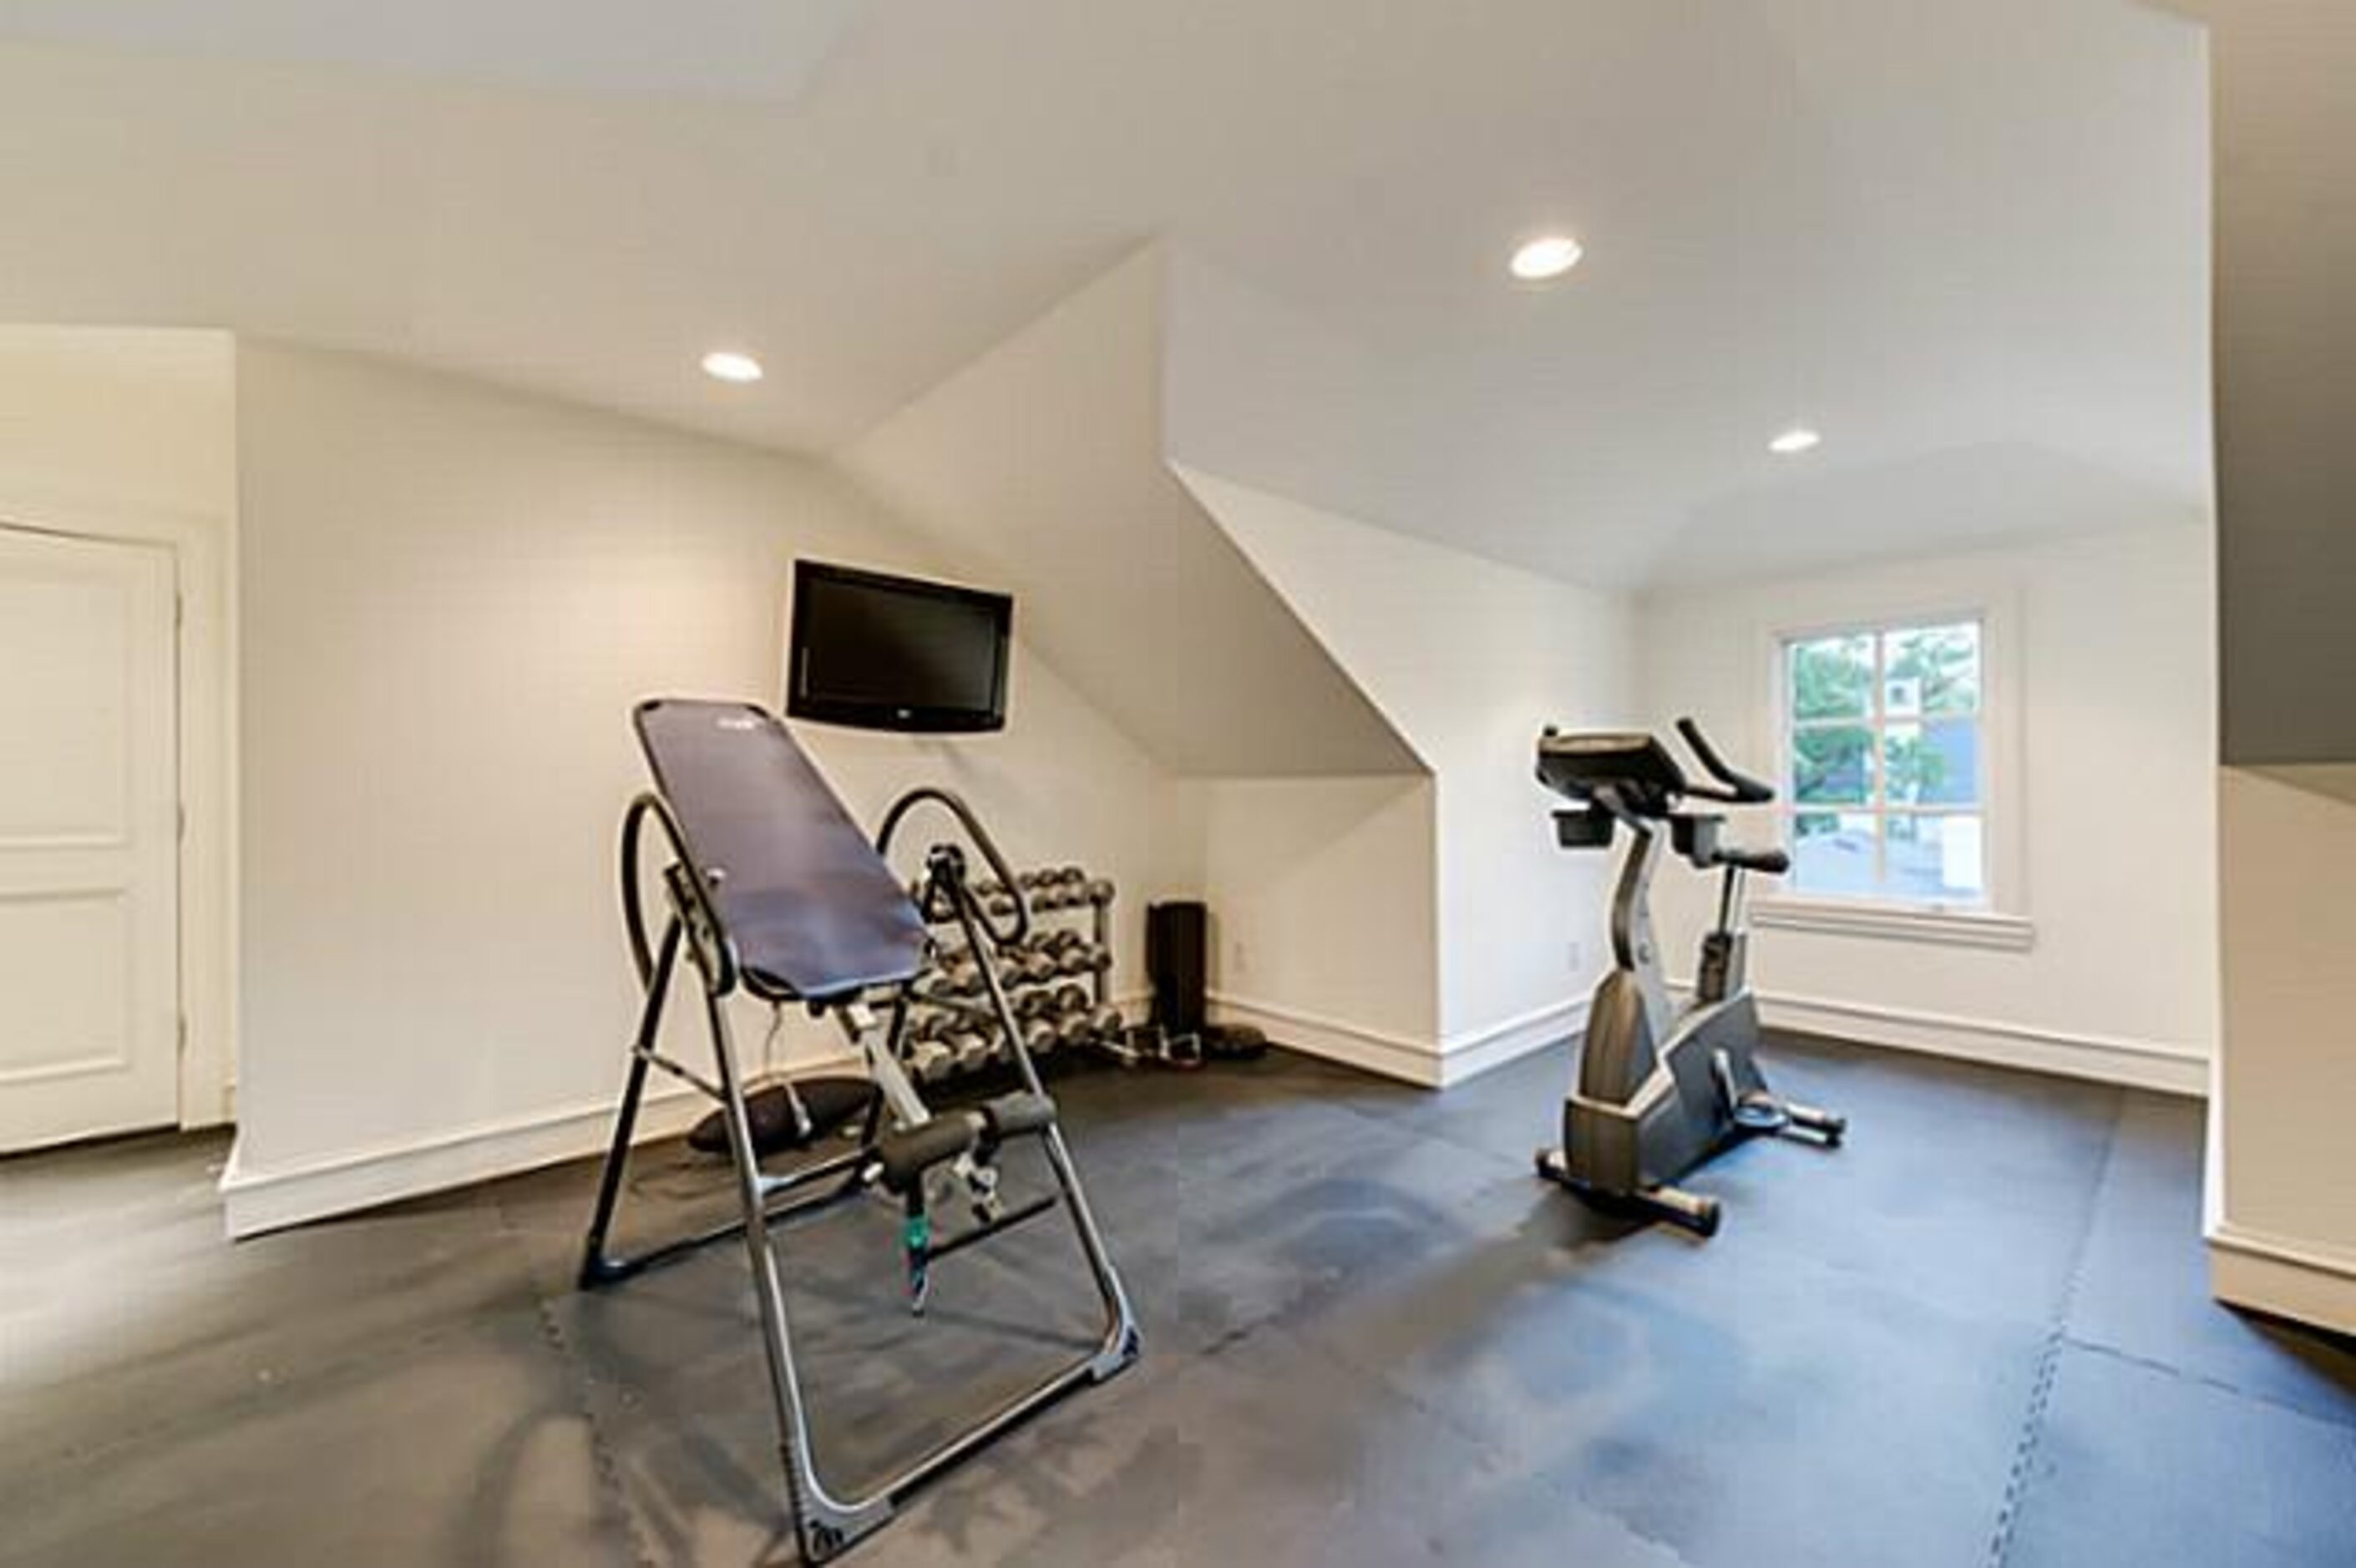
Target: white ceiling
x=733 y=49
x=1929 y=226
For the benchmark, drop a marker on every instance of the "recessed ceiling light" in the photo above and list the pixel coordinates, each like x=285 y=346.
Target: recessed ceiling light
x=727 y=365
x=1549 y=256
x=1792 y=443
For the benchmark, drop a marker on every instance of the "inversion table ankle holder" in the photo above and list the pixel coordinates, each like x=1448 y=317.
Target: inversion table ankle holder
x=774 y=890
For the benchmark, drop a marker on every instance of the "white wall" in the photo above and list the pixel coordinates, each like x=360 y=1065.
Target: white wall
x=2283 y=1225
x=1467 y=659
x=2283 y=1221
x=120 y=417
x=131 y=433
x=451 y=598
x=2111 y=691
x=1324 y=910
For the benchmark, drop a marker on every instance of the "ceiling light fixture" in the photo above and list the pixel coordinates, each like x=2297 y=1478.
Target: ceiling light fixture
x=1792 y=443
x=1549 y=256
x=727 y=365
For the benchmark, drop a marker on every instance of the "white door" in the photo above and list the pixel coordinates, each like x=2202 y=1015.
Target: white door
x=89 y=840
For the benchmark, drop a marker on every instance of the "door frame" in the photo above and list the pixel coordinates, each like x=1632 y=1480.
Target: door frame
x=203 y=548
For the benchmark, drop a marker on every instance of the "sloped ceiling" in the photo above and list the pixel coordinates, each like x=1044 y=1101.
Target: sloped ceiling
x=1925 y=228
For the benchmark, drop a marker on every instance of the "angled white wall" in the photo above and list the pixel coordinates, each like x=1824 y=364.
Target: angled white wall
x=1296 y=810
x=1040 y=467
x=1469 y=660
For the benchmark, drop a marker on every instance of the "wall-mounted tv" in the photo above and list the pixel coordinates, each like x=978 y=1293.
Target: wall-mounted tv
x=878 y=652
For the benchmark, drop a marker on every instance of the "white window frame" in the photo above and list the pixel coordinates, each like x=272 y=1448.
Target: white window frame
x=2000 y=918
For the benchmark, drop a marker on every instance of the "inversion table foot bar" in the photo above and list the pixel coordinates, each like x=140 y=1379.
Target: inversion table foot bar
x=773 y=890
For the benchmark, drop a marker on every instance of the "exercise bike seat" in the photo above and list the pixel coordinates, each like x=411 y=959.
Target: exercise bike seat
x=815 y=912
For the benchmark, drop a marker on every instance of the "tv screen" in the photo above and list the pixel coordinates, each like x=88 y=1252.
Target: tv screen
x=894 y=653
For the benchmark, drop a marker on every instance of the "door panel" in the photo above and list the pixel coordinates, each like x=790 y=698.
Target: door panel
x=64 y=956
x=89 y=831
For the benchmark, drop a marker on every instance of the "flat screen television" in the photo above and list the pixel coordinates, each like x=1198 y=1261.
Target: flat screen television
x=877 y=652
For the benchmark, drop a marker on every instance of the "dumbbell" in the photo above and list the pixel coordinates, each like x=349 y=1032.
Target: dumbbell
x=1039 y=1036
x=1070 y=999
x=1105 y=1023
x=1100 y=890
x=1074 y=1029
x=1036 y=965
x=931 y=1059
x=972 y=1047
x=1086 y=959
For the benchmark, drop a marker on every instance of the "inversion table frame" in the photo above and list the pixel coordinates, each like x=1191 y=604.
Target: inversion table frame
x=774 y=890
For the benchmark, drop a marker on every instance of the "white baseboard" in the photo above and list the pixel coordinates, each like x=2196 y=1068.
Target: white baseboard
x=1380 y=1051
x=2300 y=1281
x=1474 y=1052
x=2141 y=1064
x=254 y=1201
x=1427 y=1063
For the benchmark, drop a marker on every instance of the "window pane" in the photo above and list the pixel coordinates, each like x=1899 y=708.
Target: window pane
x=1936 y=858
x=1832 y=765
x=1932 y=669
x=1832 y=677
x=1933 y=765
x=1834 y=853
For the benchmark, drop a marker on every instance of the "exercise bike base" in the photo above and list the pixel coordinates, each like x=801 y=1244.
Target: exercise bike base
x=1828 y=1126
x=1687 y=1210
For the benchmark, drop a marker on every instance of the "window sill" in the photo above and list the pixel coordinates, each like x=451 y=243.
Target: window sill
x=1902 y=923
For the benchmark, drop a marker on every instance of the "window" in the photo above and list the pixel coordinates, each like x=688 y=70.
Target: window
x=1886 y=788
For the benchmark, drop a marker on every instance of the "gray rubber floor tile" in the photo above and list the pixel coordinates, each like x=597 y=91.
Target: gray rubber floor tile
x=468 y=1448
x=2144 y=1286
x=2139 y=1464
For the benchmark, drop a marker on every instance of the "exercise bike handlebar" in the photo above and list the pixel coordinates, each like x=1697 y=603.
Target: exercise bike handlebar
x=1736 y=788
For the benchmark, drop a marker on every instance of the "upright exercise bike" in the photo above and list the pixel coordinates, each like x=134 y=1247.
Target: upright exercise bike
x=1661 y=1092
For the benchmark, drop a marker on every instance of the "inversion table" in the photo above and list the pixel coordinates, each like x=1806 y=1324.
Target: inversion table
x=773 y=890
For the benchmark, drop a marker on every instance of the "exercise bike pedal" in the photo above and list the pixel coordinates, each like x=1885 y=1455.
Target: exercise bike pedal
x=1760 y=1114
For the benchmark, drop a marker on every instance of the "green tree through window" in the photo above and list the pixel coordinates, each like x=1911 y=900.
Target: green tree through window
x=1885 y=788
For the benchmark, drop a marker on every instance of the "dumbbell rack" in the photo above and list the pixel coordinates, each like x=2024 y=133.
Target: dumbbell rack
x=1059 y=979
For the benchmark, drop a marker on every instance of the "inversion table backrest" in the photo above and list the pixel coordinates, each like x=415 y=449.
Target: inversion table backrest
x=815 y=912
